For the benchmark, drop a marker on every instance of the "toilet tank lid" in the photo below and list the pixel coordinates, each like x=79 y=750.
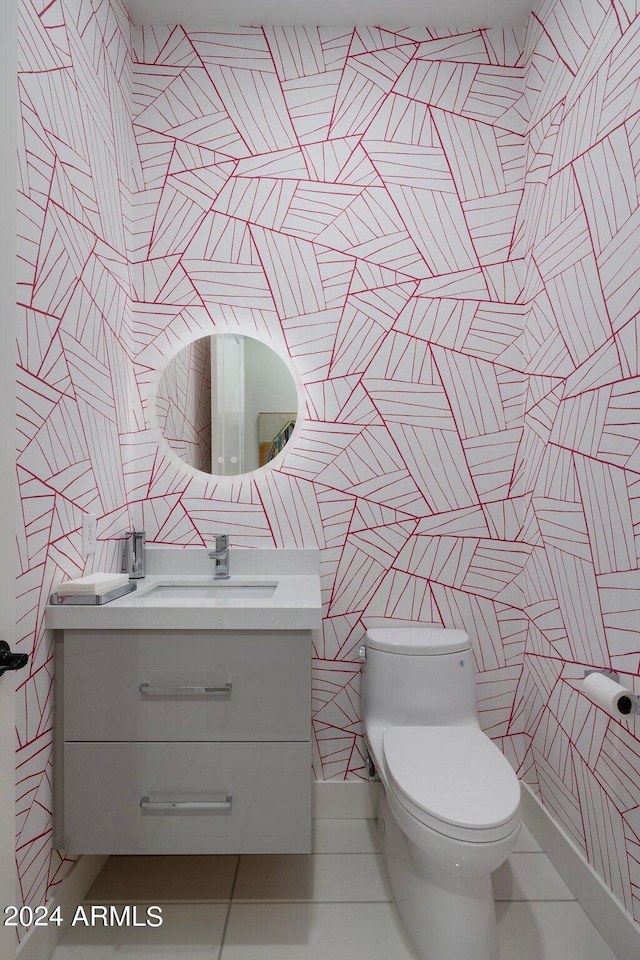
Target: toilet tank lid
x=418 y=641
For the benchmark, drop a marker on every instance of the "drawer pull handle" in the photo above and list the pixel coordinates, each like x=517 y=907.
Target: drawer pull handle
x=160 y=691
x=147 y=804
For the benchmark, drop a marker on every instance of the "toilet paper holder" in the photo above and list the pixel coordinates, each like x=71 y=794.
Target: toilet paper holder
x=628 y=704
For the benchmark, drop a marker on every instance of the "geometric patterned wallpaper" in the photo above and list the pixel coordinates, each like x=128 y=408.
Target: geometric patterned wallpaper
x=308 y=185
x=438 y=229
x=77 y=415
x=579 y=467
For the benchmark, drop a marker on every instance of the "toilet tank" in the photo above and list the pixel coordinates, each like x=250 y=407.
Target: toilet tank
x=422 y=676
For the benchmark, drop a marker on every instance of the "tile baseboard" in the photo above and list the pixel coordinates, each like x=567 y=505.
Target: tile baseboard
x=604 y=910
x=42 y=941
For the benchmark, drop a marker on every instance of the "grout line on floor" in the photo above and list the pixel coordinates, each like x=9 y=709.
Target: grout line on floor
x=278 y=903
x=283 y=903
x=226 y=919
x=533 y=900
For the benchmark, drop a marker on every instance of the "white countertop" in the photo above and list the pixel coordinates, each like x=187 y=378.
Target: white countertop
x=295 y=605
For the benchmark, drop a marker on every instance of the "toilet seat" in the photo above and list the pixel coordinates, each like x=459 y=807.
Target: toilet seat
x=454 y=780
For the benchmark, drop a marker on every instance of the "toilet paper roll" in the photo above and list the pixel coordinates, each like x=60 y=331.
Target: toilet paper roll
x=606 y=693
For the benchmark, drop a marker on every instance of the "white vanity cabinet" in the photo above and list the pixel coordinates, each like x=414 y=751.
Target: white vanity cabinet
x=183 y=741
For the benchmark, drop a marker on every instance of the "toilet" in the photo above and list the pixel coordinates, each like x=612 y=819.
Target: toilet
x=450 y=807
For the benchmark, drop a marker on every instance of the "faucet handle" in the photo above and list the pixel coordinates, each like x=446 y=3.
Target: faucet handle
x=222 y=545
x=134 y=554
x=220 y=556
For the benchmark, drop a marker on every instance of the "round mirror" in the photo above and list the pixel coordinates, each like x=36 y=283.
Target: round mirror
x=226 y=404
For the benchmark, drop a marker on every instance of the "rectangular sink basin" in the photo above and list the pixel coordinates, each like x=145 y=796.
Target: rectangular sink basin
x=212 y=591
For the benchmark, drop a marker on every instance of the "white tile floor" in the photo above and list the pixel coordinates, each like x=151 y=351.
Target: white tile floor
x=330 y=905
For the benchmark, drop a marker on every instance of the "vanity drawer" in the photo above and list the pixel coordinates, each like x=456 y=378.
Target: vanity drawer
x=243 y=797
x=196 y=685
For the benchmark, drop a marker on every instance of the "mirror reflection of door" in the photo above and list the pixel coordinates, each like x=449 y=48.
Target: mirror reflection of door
x=183 y=404
x=226 y=404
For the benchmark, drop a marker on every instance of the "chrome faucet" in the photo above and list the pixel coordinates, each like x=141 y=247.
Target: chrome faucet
x=220 y=557
x=134 y=554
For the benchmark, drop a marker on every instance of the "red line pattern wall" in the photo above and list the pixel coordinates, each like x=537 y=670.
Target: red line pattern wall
x=78 y=419
x=578 y=463
x=438 y=230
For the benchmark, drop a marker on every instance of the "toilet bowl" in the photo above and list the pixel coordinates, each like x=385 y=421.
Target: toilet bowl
x=450 y=811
